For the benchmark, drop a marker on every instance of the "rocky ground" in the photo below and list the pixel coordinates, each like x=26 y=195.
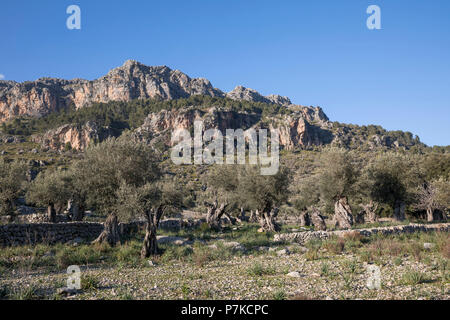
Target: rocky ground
x=412 y=267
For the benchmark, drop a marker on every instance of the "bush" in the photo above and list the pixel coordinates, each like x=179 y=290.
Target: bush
x=257 y=269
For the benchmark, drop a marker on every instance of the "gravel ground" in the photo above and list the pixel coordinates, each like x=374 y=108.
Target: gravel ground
x=262 y=276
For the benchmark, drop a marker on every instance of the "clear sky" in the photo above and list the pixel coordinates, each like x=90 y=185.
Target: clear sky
x=316 y=52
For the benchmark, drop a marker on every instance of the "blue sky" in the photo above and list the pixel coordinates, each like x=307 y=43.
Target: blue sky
x=316 y=52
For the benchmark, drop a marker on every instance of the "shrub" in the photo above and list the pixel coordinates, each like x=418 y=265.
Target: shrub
x=413 y=278
x=89 y=282
x=257 y=269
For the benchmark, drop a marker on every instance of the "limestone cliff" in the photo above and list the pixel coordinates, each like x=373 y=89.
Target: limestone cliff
x=131 y=81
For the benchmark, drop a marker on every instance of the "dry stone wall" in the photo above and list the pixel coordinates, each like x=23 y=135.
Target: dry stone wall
x=304 y=237
x=32 y=233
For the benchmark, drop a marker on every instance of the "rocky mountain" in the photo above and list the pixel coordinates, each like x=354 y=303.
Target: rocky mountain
x=131 y=81
x=298 y=126
x=246 y=94
x=294 y=129
x=72 y=136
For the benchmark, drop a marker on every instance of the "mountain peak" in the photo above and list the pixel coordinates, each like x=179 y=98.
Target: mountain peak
x=132 y=80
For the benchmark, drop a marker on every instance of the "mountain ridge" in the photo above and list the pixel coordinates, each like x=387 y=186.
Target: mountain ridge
x=132 y=80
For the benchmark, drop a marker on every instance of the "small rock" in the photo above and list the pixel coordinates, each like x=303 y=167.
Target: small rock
x=150 y=263
x=66 y=291
x=428 y=246
x=294 y=274
x=283 y=252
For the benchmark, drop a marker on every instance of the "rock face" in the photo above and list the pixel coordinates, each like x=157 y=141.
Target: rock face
x=131 y=81
x=294 y=130
x=72 y=136
x=247 y=94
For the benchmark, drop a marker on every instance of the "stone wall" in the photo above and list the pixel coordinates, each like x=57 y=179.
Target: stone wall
x=32 y=233
x=304 y=237
x=21 y=234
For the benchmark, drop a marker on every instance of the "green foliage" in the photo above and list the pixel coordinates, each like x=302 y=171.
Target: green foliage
x=337 y=175
x=258 y=269
x=391 y=177
x=12 y=183
x=50 y=188
x=112 y=163
x=263 y=192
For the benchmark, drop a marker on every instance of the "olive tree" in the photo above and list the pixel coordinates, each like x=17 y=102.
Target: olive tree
x=151 y=201
x=108 y=165
x=222 y=182
x=264 y=193
x=50 y=188
x=12 y=183
x=432 y=197
x=336 y=182
x=390 y=179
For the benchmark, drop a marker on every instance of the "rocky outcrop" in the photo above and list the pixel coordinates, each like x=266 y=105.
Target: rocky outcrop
x=247 y=94
x=131 y=81
x=74 y=137
x=294 y=130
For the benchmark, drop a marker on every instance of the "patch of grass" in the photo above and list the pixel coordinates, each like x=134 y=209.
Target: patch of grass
x=186 y=291
x=348 y=280
x=279 y=295
x=324 y=269
x=257 y=269
x=89 y=283
x=180 y=253
x=85 y=254
x=413 y=278
x=351 y=265
x=128 y=254
x=312 y=254
x=335 y=245
x=398 y=261
x=24 y=293
x=125 y=295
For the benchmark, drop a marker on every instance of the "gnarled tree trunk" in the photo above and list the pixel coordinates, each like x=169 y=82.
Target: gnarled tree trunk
x=214 y=214
x=317 y=220
x=77 y=213
x=399 y=210
x=110 y=233
x=150 y=245
x=242 y=217
x=267 y=220
x=253 y=216
x=343 y=217
x=74 y=211
x=51 y=213
x=369 y=212
x=304 y=219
